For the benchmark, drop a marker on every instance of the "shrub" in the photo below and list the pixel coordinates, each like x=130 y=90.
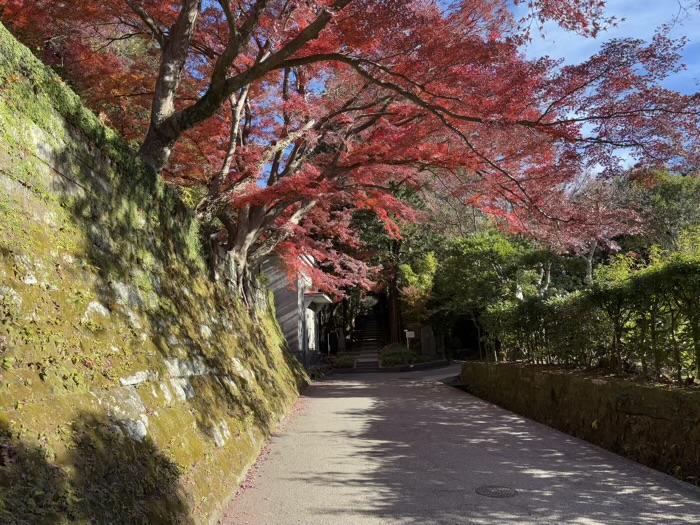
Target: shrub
x=344 y=361
x=398 y=354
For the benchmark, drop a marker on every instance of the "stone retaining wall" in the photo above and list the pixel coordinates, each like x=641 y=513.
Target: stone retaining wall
x=132 y=388
x=654 y=425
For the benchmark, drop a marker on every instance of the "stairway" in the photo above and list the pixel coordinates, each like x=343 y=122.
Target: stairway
x=368 y=341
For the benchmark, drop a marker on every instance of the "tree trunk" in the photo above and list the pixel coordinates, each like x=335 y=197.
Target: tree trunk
x=676 y=348
x=156 y=150
x=340 y=334
x=545 y=278
x=231 y=267
x=175 y=44
x=589 y=264
x=394 y=307
x=478 y=334
x=393 y=295
x=241 y=278
x=519 y=295
x=617 y=344
x=654 y=342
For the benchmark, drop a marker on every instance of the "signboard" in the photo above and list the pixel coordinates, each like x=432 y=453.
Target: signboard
x=410 y=335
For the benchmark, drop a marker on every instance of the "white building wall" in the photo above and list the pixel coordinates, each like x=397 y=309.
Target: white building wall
x=298 y=323
x=311 y=330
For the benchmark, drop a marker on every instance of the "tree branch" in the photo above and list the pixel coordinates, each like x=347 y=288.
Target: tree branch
x=151 y=23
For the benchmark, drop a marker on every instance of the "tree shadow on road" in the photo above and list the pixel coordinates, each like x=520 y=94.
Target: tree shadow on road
x=430 y=447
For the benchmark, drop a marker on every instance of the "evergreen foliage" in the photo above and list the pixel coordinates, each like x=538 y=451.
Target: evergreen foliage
x=639 y=316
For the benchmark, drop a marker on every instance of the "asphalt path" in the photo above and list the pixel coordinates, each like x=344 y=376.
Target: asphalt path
x=406 y=449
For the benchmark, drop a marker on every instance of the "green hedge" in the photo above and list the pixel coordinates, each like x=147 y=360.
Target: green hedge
x=397 y=354
x=641 y=318
x=344 y=361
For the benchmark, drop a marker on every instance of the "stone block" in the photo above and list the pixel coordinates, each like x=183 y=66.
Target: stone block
x=427 y=340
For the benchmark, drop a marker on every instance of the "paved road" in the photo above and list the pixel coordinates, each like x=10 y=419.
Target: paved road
x=405 y=449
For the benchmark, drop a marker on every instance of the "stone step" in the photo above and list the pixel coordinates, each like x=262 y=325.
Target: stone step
x=369 y=338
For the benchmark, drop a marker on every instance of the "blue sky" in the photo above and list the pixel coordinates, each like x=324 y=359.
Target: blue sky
x=641 y=18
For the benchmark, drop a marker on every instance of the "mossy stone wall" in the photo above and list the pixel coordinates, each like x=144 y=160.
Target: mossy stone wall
x=652 y=424
x=132 y=389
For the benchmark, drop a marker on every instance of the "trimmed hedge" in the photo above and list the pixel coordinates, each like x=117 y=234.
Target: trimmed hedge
x=639 y=319
x=397 y=354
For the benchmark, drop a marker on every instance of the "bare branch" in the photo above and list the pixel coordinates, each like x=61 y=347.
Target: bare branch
x=151 y=23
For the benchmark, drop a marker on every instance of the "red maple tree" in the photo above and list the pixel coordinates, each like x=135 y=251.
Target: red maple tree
x=293 y=113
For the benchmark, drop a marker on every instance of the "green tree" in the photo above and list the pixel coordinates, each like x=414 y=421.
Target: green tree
x=670 y=205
